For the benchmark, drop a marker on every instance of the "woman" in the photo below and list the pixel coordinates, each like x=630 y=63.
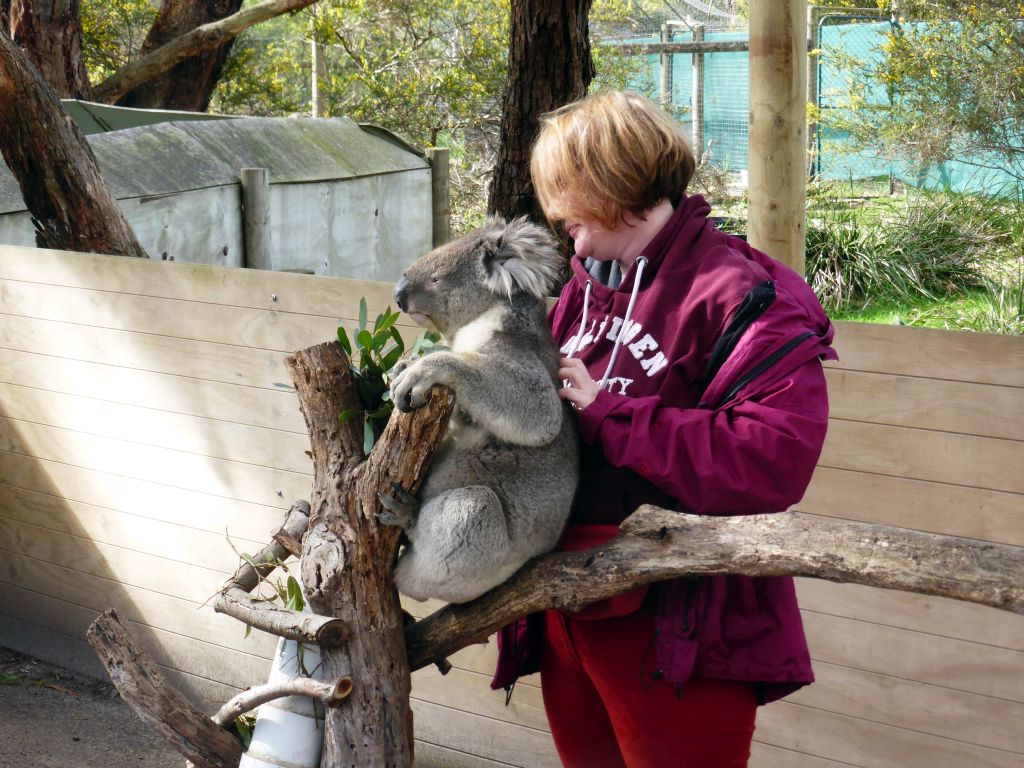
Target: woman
x=693 y=362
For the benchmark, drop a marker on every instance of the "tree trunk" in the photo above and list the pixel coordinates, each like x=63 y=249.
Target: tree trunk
x=207 y=37
x=190 y=84
x=347 y=556
x=549 y=65
x=50 y=33
x=71 y=206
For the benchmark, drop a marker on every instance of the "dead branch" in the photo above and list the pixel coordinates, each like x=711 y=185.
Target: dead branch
x=203 y=38
x=148 y=693
x=234 y=598
x=331 y=694
x=658 y=544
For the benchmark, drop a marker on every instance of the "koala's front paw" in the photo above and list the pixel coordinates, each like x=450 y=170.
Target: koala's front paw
x=409 y=390
x=400 y=507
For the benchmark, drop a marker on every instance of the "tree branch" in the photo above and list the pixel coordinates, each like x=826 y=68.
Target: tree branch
x=233 y=598
x=71 y=206
x=202 y=38
x=147 y=691
x=330 y=694
x=658 y=544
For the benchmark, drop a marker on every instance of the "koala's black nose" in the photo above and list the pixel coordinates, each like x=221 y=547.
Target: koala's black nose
x=401 y=293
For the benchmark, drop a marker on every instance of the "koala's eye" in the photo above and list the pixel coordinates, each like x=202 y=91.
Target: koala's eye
x=435 y=279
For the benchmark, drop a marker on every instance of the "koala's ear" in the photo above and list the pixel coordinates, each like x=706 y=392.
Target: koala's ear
x=519 y=256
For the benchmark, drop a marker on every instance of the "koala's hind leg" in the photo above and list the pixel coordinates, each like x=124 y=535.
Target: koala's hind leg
x=458 y=537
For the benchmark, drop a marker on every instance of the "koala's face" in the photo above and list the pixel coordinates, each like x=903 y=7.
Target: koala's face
x=454 y=284
x=446 y=288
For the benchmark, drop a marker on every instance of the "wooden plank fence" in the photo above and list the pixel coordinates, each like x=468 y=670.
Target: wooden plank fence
x=148 y=430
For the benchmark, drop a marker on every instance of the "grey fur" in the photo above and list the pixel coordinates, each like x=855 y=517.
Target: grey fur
x=502 y=482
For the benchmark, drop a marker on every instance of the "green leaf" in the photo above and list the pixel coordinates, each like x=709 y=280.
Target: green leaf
x=397 y=337
x=248 y=631
x=343 y=340
x=362 y=313
x=6 y=679
x=364 y=340
x=387 y=320
x=346 y=415
x=295 y=601
x=368 y=438
x=392 y=357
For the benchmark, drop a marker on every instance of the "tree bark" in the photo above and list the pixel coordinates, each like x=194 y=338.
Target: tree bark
x=549 y=64
x=144 y=687
x=71 y=206
x=50 y=33
x=658 y=544
x=347 y=556
x=190 y=84
x=208 y=37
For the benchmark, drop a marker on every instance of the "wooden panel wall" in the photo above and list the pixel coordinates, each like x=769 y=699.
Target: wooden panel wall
x=146 y=419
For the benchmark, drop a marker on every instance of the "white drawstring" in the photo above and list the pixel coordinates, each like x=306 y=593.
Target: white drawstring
x=640 y=263
x=583 y=323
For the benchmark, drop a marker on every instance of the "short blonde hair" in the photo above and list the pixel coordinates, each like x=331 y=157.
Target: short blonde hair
x=611 y=152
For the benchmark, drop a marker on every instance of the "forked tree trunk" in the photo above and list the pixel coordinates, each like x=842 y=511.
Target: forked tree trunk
x=347 y=556
x=50 y=33
x=190 y=84
x=549 y=65
x=70 y=205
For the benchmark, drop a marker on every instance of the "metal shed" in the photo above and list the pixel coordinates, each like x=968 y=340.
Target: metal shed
x=343 y=199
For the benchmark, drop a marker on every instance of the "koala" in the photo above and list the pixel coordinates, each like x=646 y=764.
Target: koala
x=503 y=479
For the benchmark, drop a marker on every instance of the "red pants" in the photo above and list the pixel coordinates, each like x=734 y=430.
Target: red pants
x=601 y=715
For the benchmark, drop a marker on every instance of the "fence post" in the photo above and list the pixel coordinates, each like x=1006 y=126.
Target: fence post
x=697 y=94
x=778 y=125
x=814 y=15
x=665 y=60
x=440 y=195
x=317 y=75
x=256 y=217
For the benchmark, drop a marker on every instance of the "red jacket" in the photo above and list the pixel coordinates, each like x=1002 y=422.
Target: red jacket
x=716 y=404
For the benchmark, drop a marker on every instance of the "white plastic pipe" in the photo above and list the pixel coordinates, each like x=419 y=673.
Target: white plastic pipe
x=289 y=732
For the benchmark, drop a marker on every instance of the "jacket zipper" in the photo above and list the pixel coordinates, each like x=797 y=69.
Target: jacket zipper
x=754 y=305
x=763 y=366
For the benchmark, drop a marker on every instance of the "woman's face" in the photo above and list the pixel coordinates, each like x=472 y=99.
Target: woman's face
x=622 y=243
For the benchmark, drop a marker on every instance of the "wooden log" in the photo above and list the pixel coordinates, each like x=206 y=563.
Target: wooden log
x=658 y=544
x=148 y=693
x=347 y=556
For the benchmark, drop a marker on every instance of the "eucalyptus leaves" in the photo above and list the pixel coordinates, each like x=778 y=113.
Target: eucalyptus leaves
x=374 y=353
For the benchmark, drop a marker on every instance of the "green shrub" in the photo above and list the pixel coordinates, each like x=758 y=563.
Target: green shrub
x=895 y=251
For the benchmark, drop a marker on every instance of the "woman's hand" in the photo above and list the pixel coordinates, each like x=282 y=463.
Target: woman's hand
x=581 y=389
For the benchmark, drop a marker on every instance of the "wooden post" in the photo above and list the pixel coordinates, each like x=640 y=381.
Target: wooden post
x=697 y=94
x=814 y=15
x=256 y=217
x=440 y=195
x=778 y=119
x=665 y=60
x=317 y=75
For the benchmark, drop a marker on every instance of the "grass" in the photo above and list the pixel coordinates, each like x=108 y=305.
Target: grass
x=917 y=258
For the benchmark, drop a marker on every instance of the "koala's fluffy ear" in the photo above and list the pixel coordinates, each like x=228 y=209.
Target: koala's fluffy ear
x=519 y=256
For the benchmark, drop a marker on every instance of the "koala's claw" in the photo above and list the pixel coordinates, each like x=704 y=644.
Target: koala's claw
x=399 y=508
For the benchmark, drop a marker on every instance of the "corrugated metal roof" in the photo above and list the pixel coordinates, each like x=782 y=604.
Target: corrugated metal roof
x=101 y=118
x=179 y=156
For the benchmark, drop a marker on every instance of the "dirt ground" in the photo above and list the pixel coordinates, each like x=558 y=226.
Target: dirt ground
x=52 y=718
